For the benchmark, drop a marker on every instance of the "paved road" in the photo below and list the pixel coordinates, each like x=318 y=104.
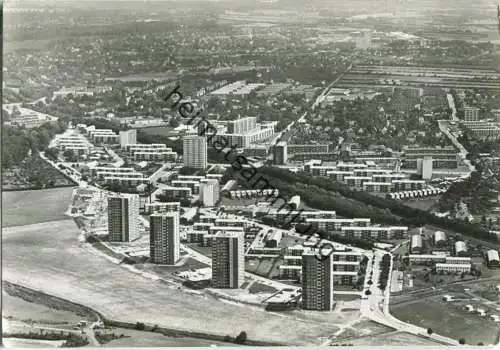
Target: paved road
x=321 y=96
x=376 y=306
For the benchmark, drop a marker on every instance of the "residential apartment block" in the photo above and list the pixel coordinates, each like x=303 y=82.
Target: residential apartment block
x=164 y=239
x=228 y=260
x=123 y=217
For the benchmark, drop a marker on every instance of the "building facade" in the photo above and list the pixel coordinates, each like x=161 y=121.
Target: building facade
x=123 y=217
x=209 y=192
x=317 y=282
x=164 y=238
x=195 y=152
x=228 y=260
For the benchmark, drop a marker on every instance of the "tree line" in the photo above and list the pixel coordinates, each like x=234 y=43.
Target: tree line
x=323 y=193
x=17 y=141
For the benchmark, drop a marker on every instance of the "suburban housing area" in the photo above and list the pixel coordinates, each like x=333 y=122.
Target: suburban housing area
x=262 y=174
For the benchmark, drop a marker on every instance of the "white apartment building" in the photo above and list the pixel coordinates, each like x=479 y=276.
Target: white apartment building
x=333 y=224
x=407 y=185
x=128 y=137
x=378 y=187
x=372 y=233
x=471 y=113
x=195 y=152
x=155 y=156
x=162 y=207
x=209 y=192
x=146 y=147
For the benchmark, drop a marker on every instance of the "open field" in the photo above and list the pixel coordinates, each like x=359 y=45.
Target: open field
x=15 y=308
x=158 y=130
x=144 y=77
x=134 y=338
x=422 y=203
x=391 y=339
x=360 y=329
x=448 y=320
x=34 y=206
x=30 y=343
x=369 y=333
x=49 y=258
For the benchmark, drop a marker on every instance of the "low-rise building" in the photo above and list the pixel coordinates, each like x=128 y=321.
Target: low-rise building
x=334 y=224
x=416 y=244
x=373 y=233
x=460 y=268
x=492 y=258
x=162 y=207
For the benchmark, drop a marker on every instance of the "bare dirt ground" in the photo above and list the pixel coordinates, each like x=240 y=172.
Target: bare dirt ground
x=48 y=257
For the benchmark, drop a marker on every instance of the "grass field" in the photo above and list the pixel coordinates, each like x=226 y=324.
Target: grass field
x=448 y=320
x=158 y=130
x=392 y=339
x=257 y=287
x=34 y=206
x=134 y=338
x=49 y=258
x=18 y=309
x=422 y=203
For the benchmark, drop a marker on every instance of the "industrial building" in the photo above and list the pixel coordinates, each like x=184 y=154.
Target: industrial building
x=416 y=244
x=439 y=238
x=460 y=248
x=492 y=258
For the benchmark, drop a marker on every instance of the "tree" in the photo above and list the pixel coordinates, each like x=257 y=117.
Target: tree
x=173 y=122
x=140 y=326
x=52 y=153
x=429 y=331
x=241 y=338
x=461 y=341
x=187 y=171
x=68 y=154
